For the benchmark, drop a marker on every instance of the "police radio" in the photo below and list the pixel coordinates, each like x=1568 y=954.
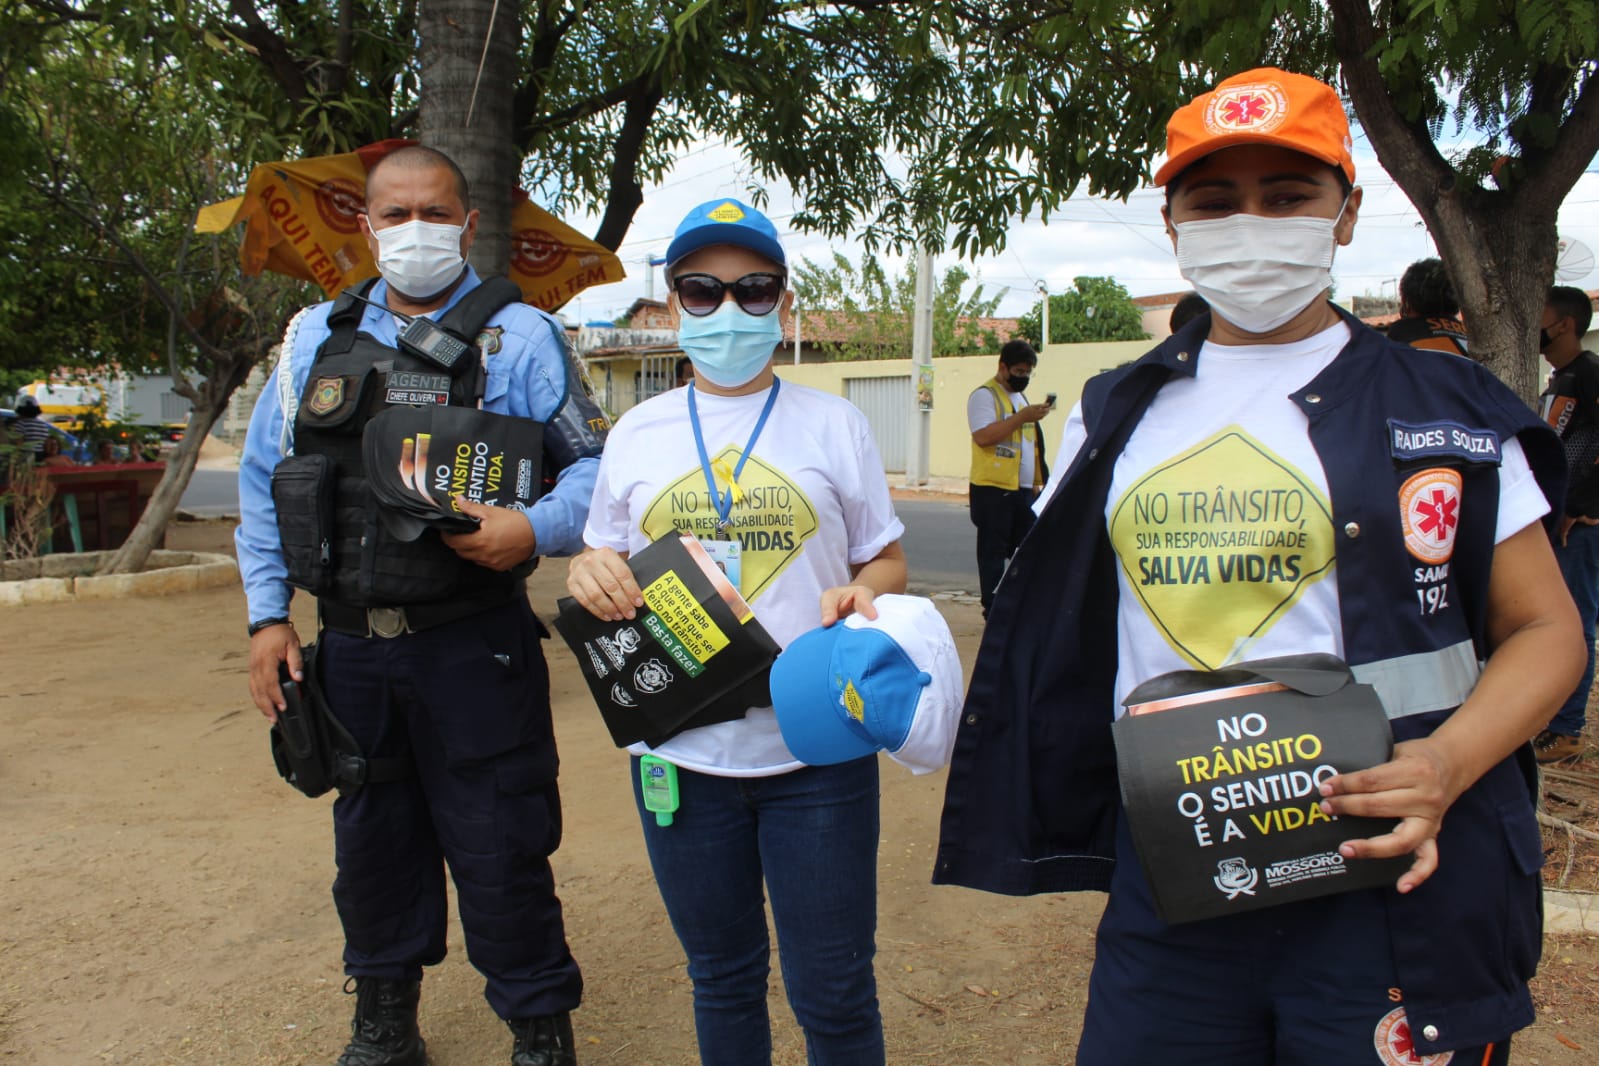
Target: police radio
x=424 y=338
x=427 y=339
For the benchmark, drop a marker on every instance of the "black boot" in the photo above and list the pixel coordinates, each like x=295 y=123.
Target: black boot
x=545 y=1041
x=384 y=1032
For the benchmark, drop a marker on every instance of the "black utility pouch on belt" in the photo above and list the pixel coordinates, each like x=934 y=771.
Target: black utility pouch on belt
x=311 y=748
x=302 y=492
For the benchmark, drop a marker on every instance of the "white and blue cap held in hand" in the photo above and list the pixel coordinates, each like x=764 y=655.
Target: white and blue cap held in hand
x=859 y=686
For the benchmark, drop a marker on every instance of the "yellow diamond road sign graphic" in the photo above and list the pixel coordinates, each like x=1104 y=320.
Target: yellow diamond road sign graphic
x=1219 y=542
x=772 y=519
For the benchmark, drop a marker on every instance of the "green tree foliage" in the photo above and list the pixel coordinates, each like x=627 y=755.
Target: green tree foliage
x=930 y=119
x=865 y=314
x=1093 y=309
x=113 y=155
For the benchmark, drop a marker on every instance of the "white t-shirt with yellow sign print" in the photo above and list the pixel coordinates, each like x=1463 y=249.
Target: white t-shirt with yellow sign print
x=815 y=501
x=1219 y=515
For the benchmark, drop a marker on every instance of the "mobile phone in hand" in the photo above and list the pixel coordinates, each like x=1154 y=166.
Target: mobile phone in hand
x=1049 y=400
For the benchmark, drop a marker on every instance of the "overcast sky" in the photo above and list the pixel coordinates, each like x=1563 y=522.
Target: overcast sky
x=1088 y=236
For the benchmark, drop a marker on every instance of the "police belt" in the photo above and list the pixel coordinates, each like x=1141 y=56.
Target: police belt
x=398 y=620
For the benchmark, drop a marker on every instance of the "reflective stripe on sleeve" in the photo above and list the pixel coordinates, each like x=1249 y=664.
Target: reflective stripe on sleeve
x=1426 y=681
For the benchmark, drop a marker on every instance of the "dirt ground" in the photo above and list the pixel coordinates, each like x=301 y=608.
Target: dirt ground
x=166 y=895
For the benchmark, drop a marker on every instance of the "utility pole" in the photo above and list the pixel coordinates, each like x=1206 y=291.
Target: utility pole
x=650 y=263
x=916 y=459
x=1043 y=288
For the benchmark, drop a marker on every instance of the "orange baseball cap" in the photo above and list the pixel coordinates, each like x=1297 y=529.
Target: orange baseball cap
x=1261 y=106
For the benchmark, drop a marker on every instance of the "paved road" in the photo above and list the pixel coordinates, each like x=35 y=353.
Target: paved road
x=211 y=493
x=940 y=545
x=939 y=539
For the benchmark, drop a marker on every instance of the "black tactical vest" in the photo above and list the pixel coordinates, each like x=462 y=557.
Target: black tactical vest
x=334 y=543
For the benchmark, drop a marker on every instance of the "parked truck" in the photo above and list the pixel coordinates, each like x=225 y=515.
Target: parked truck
x=131 y=404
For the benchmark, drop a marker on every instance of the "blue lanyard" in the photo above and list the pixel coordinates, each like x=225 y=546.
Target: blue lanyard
x=724 y=507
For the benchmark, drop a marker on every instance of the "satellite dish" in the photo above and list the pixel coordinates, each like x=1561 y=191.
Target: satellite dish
x=1573 y=260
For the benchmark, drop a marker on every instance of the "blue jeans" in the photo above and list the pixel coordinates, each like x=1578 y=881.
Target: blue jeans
x=1579 y=565
x=811 y=835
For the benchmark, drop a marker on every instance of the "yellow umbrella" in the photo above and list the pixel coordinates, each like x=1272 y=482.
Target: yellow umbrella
x=300 y=220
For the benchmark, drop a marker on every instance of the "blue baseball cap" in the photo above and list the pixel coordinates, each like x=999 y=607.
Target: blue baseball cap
x=726 y=222
x=859 y=686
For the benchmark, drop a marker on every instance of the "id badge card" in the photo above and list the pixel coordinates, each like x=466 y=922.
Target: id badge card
x=728 y=555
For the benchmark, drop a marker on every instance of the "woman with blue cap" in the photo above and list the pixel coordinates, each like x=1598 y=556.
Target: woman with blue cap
x=784 y=487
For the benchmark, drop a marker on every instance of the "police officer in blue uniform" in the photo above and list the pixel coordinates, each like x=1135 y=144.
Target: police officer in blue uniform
x=429 y=654
x=1422 y=565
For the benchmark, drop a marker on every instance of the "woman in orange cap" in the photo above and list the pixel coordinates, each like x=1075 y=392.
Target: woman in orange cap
x=1276 y=479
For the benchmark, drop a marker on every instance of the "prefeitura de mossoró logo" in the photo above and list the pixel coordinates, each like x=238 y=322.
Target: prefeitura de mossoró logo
x=1305 y=868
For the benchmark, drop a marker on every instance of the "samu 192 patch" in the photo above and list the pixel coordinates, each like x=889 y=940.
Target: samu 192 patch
x=326 y=395
x=1396 y=1047
x=489 y=340
x=1429 y=510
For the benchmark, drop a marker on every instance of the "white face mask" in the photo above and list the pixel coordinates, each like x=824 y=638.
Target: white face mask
x=1257 y=272
x=419 y=260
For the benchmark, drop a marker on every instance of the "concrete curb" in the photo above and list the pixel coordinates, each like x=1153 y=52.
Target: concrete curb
x=1570 y=912
x=66 y=578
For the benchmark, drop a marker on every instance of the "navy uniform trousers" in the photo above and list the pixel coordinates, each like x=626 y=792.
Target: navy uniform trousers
x=468 y=703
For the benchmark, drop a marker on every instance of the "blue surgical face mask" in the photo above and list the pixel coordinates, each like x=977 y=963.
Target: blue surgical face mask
x=730 y=346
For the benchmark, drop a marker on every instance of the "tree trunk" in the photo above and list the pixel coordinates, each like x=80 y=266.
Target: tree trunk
x=209 y=399
x=1497 y=244
x=1500 y=254
x=1502 y=264
x=476 y=132
x=163 y=504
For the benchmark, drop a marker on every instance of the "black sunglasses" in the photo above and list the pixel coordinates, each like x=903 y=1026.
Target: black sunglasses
x=700 y=294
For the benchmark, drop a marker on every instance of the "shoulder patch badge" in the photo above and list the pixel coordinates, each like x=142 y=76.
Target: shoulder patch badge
x=326 y=395
x=1429 y=510
x=489 y=339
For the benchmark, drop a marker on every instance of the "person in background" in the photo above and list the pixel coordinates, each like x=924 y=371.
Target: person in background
x=52 y=453
x=29 y=429
x=787 y=480
x=1571 y=406
x=1420 y=558
x=105 y=454
x=1429 y=312
x=1190 y=307
x=1008 y=465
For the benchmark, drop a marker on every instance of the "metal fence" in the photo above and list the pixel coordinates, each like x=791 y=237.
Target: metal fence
x=886 y=403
